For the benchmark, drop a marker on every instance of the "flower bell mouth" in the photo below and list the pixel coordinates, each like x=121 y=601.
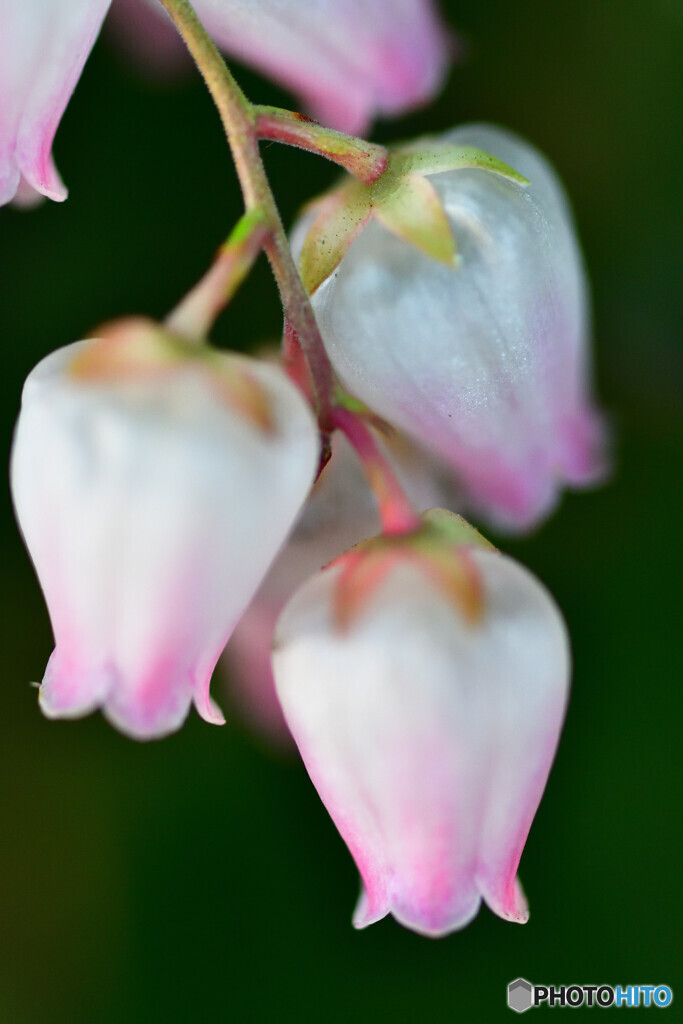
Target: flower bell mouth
x=137 y=477
x=43 y=47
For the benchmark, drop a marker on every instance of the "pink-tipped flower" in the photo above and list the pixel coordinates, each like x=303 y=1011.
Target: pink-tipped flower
x=429 y=733
x=153 y=487
x=340 y=511
x=348 y=61
x=483 y=356
x=43 y=47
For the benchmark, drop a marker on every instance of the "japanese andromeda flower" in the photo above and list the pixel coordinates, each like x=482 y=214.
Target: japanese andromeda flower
x=347 y=59
x=153 y=488
x=483 y=358
x=340 y=511
x=428 y=735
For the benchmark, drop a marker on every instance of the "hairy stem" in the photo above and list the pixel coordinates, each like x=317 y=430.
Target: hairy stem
x=367 y=161
x=239 y=120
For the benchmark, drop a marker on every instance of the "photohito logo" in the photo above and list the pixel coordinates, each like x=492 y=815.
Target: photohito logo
x=522 y=995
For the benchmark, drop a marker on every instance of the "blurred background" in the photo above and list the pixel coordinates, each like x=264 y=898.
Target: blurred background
x=199 y=878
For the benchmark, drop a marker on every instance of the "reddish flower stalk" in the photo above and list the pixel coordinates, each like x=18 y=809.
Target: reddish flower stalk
x=367 y=161
x=396 y=512
x=196 y=312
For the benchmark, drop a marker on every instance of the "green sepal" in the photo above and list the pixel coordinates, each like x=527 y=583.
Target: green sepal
x=440 y=548
x=433 y=157
x=453 y=529
x=340 y=217
x=414 y=212
x=129 y=348
x=403 y=200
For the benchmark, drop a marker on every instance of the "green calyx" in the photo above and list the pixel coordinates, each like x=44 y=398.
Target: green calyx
x=403 y=200
x=440 y=547
x=442 y=526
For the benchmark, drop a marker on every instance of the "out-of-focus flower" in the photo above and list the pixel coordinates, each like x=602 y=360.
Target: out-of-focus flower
x=153 y=485
x=484 y=357
x=428 y=735
x=340 y=511
x=348 y=61
x=141 y=30
x=43 y=47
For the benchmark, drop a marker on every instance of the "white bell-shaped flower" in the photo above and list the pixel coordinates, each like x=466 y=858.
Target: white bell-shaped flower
x=152 y=504
x=487 y=361
x=428 y=736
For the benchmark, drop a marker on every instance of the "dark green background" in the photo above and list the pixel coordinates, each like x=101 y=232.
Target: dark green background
x=199 y=878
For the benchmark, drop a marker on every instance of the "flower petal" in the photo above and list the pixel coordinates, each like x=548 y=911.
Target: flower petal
x=43 y=47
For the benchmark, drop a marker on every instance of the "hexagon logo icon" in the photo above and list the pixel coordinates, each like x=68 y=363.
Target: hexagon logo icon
x=520 y=995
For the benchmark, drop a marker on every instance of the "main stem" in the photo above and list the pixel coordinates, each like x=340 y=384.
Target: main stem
x=239 y=120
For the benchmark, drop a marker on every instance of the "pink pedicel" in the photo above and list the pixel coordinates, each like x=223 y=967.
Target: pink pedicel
x=428 y=737
x=152 y=508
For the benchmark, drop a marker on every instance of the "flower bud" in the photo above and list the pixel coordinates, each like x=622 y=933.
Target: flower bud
x=153 y=487
x=428 y=733
x=485 y=360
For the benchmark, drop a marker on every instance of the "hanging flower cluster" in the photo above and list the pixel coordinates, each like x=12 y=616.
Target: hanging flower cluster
x=177 y=500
